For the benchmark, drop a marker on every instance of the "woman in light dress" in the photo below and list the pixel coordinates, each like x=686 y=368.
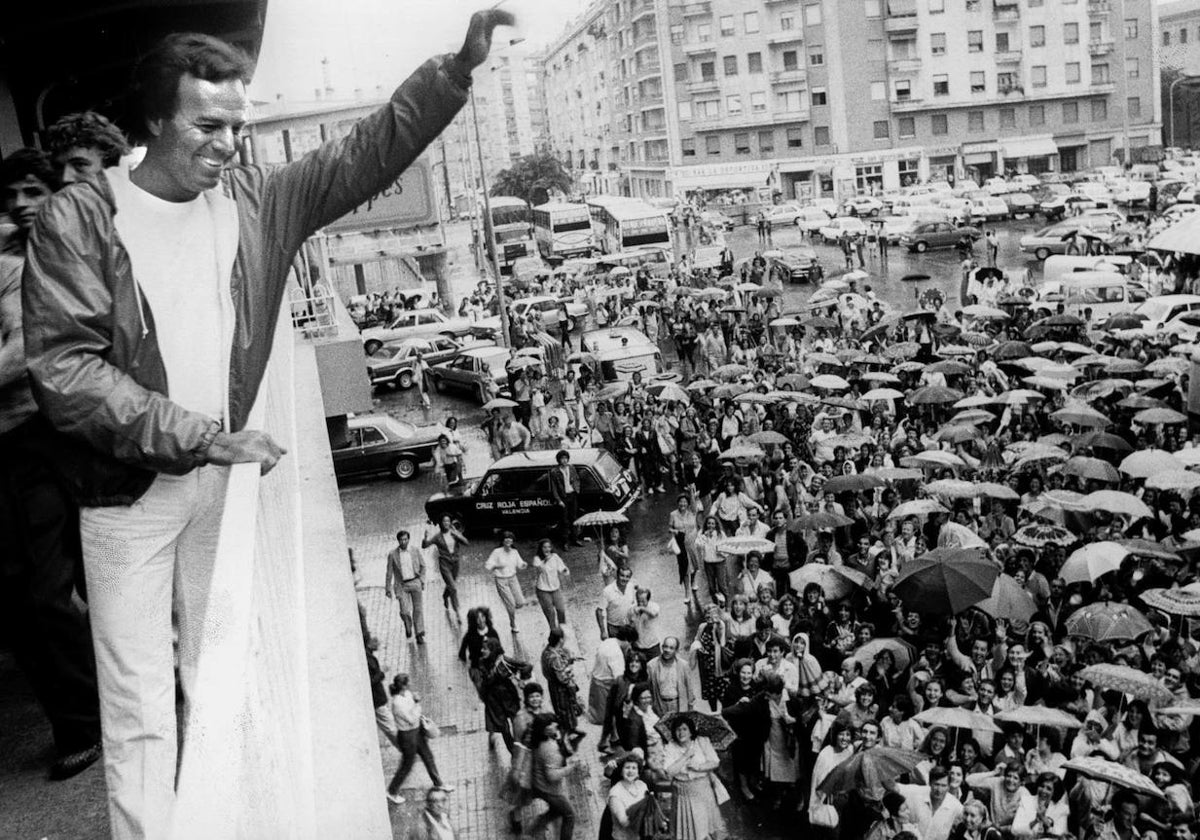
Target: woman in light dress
x=689 y=762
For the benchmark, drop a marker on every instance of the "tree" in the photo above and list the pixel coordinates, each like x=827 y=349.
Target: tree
x=533 y=178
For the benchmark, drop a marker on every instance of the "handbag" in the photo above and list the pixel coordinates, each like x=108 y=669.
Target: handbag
x=823 y=816
x=719 y=789
x=430 y=729
x=673 y=545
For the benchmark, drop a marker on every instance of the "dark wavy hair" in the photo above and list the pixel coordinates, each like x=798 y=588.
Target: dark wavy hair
x=87 y=130
x=25 y=162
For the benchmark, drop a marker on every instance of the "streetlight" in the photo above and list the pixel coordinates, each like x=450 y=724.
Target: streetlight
x=1171 y=103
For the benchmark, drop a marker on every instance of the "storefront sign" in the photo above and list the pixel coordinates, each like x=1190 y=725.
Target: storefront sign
x=409 y=202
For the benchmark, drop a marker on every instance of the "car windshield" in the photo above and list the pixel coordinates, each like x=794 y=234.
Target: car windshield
x=608 y=468
x=1154 y=310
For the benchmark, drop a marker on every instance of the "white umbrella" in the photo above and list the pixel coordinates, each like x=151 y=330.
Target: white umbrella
x=1117 y=502
x=933 y=458
x=1147 y=462
x=1178 y=480
x=1092 y=561
x=785 y=322
x=883 y=394
x=917 y=507
x=829 y=382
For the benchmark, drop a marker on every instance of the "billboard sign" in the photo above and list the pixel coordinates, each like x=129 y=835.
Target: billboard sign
x=409 y=202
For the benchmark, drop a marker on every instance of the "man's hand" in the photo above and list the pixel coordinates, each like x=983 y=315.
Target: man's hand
x=245 y=447
x=479 y=37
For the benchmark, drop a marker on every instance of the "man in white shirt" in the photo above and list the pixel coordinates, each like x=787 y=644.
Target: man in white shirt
x=935 y=810
x=617 y=601
x=753 y=526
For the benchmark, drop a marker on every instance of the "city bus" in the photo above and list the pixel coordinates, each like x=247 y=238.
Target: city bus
x=599 y=207
x=636 y=225
x=512 y=227
x=563 y=230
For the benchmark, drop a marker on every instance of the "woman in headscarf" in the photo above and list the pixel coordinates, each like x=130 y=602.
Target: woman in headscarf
x=976 y=824
x=811 y=678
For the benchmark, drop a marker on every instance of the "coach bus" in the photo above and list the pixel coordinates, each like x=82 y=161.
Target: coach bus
x=563 y=230
x=512 y=227
x=599 y=207
x=636 y=225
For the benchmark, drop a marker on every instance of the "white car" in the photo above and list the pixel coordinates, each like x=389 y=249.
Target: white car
x=956 y=208
x=866 y=205
x=1098 y=193
x=812 y=219
x=551 y=310
x=1025 y=182
x=1165 y=308
x=414 y=322
x=841 y=226
x=827 y=204
x=991 y=209
x=896 y=226
x=997 y=186
x=1186 y=325
x=965 y=187
x=1178 y=212
x=781 y=215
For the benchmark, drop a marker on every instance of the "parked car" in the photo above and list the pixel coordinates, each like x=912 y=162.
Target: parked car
x=1186 y=325
x=865 y=205
x=796 y=265
x=552 y=310
x=1178 y=212
x=812 y=219
x=377 y=444
x=781 y=215
x=716 y=220
x=842 y=225
x=1061 y=206
x=1024 y=182
x=1020 y=204
x=1163 y=309
x=412 y=323
x=466 y=371
x=997 y=186
x=515 y=492
x=991 y=209
x=392 y=364
x=1055 y=238
x=928 y=235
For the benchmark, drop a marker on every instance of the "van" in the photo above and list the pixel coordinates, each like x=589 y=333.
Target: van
x=617 y=353
x=1102 y=293
x=1059 y=266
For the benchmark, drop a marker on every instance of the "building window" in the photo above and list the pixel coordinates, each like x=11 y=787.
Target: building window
x=878 y=91
x=975 y=121
x=1133 y=107
x=1037 y=75
x=1072 y=72
x=708 y=71
x=688 y=146
x=972 y=5
x=903 y=90
x=790 y=101
x=812 y=15
x=730 y=62
x=869 y=176
x=1001 y=42
x=907 y=127
x=975 y=40
x=741 y=143
x=873 y=8
x=1005 y=82
x=1131 y=29
x=677 y=35
x=1183 y=36
x=726 y=22
x=936 y=7
x=821 y=135
x=1037 y=114
x=712 y=144
x=819 y=98
x=750 y=22
x=685 y=111
x=766 y=141
x=881 y=129
x=789 y=60
x=816 y=58
x=1070 y=33
x=978 y=81
x=1166 y=39
x=787 y=22
x=758 y=101
x=938 y=124
x=708 y=109
x=704 y=32
x=1008 y=117
x=794 y=139
x=1099 y=110
x=1133 y=68
x=1037 y=36
x=754 y=62
x=937 y=43
x=1100 y=74
x=941 y=85
x=681 y=72
x=733 y=105
x=1070 y=112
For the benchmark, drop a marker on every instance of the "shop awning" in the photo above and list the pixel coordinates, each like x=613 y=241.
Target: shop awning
x=1184 y=236
x=978 y=157
x=1027 y=147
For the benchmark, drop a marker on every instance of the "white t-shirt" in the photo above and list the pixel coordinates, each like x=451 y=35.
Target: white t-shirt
x=182 y=256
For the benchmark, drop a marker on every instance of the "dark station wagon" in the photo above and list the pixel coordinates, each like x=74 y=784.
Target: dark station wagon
x=515 y=491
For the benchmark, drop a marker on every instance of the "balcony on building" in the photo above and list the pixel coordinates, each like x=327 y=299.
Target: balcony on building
x=910 y=103
x=1006 y=11
x=645 y=35
x=698 y=9
x=788 y=77
x=1105 y=86
x=702 y=48
x=648 y=101
x=1102 y=46
x=901 y=17
x=760 y=119
x=778 y=2
x=1008 y=57
x=1011 y=91
x=786 y=36
x=1099 y=7
x=904 y=66
x=640 y=9
x=709 y=85
x=648 y=70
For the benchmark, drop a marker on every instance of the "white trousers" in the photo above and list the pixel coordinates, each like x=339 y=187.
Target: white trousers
x=143 y=562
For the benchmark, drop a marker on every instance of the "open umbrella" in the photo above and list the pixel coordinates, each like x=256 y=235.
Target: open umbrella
x=953 y=535
x=951 y=488
x=1101 y=440
x=1081 y=415
x=730 y=371
x=955 y=717
x=836 y=582
x=1136 y=402
x=702 y=385
x=819 y=521
x=973 y=415
x=744 y=545
x=784 y=322
x=1040 y=716
x=1103 y=770
x=830 y=382
x=883 y=394
x=903 y=350
x=1116 y=502
x=945 y=588
x=669 y=392
x=902 y=652
x=1009 y=350
x=613 y=390
x=917 y=507
x=1108 y=622
x=899 y=474
x=1159 y=416
x=1173 y=601
x=977 y=310
x=748 y=453
x=1128 y=680
x=821 y=358
x=1009 y=600
x=1149 y=548
x=1039 y=535
x=713 y=727
x=948 y=368
x=768 y=438
x=1091 y=468
x=870 y=771
x=499 y=402
x=959 y=433
x=934 y=395
x=992 y=490
x=881 y=376
x=1177 y=480
x=852 y=483
x=599 y=519
x=1123 y=321
x=933 y=458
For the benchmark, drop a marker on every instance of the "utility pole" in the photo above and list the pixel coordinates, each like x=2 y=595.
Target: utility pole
x=489 y=234
x=446 y=179
x=464 y=154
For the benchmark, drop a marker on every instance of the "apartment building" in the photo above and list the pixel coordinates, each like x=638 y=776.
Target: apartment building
x=1179 y=25
x=826 y=98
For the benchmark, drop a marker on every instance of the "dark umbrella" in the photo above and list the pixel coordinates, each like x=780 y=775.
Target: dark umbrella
x=819 y=521
x=917 y=314
x=870 y=771
x=915 y=277
x=934 y=395
x=713 y=727
x=1123 y=321
x=852 y=483
x=946 y=587
x=1013 y=350
x=989 y=272
x=1101 y=440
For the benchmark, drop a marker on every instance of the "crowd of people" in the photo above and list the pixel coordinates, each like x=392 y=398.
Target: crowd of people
x=939 y=561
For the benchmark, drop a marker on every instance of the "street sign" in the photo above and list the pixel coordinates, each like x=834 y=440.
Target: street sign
x=409 y=202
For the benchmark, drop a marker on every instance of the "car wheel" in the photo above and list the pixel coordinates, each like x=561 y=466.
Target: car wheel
x=404 y=467
x=571 y=324
x=372 y=346
x=1042 y=253
x=921 y=247
x=874 y=213
x=405 y=380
